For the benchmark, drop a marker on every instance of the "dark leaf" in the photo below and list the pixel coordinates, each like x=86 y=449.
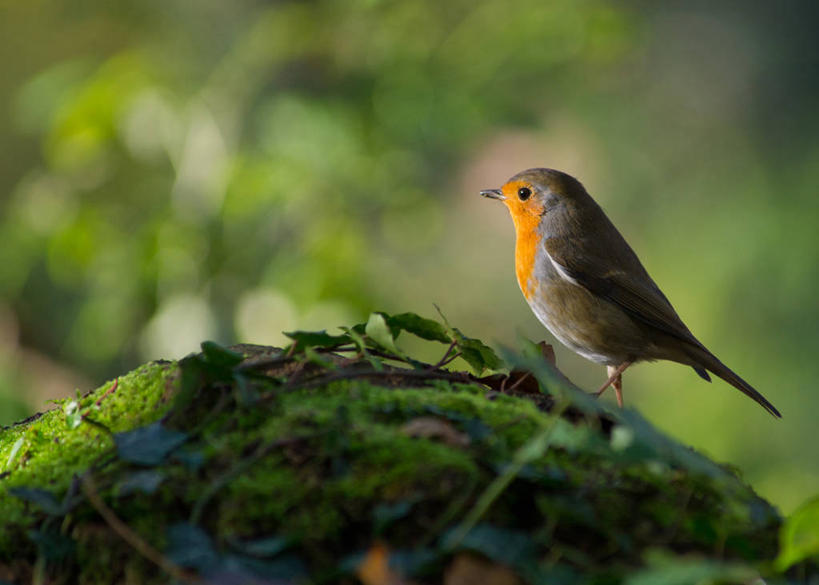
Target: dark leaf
x=51 y=545
x=192 y=376
x=190 y=546
x=238 y=576
x=412 y=561
x=191 y=458
x=43 y=499
x=476 y=429
x=323 y=339
x=419 y=326
x=549 y=476
x=145 y=481
x=148 y=445
x=245 y=390
x=499 y=544
x=386 y=514
x=476 y=353
x=220 y=356
x=284 y=569
x=262 y=547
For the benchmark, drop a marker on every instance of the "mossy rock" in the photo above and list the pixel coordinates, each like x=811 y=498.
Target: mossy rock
x=309 y=466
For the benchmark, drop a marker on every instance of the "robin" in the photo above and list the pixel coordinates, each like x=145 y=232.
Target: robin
x=587 y=286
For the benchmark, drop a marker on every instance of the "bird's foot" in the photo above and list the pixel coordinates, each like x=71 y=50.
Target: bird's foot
x=615 y=379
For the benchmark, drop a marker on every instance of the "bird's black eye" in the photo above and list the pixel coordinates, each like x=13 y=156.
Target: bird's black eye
x=524 y=193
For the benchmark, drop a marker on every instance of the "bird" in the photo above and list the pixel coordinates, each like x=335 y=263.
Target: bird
x=588 y=287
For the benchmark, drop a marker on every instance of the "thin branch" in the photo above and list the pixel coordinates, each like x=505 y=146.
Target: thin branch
x=109 y=391
x=535 y=447
x=394 y=372
x=132 y=538
x=451 y=358
x=443 y=360
x=519 y=381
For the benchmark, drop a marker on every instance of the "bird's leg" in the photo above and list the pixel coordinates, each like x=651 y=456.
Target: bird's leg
x=617 y=383
x=615 y=379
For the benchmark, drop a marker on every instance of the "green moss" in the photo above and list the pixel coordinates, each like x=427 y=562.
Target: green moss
x=50 y=454
x=314 y=464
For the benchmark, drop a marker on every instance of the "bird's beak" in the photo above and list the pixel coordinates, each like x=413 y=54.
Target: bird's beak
x=493 y=194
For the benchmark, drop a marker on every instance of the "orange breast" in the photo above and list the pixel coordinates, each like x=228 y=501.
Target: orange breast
x=526 y=248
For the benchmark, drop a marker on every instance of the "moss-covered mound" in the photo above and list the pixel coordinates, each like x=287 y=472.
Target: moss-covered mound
x=341 y=459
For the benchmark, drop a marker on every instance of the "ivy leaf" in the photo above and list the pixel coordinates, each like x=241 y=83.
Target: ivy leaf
x=476 y=353
x=378 y=330
x=148 y=445
x=51 y=545
x=220 y=356
x=262 y=547
x=799 y=538
x=386 y=514
x=246 y=393
x=504 y=546
x=190 y=546
x=214 y=364
x=146 y=481
x=304 y=339
x=43 y=499
x=419 y=326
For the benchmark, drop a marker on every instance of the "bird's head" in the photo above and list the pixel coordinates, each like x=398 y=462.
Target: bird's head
x=532 y=193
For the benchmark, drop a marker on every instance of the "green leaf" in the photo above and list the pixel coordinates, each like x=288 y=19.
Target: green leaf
x=190 y=546
x=220 y=356
x=73 y=415
x=262 y=547
x=303 y=339
x=577 y=438
x=386 y=514
x=246 y=393
x=316 y=358
x=504 y=546
x=148 y=445
x=378 y=330
x=145 y=481
x=665 y=569
x=419 y=326
x=361 y=344
x=536 y=446
x=52 y=546
x=43 y=499
x=799 y=537
x=476 y=353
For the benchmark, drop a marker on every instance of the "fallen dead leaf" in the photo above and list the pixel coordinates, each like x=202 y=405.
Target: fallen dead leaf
x=467 y=569
x=429 y=427
x=548 y=352
x=375 y=568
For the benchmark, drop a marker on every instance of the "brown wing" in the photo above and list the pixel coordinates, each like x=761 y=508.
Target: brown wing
x=621 y=280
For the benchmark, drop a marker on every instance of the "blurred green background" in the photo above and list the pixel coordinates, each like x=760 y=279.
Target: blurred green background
x=178 y=171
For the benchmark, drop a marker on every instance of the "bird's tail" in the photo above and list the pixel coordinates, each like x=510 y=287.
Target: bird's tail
x=707 y=360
